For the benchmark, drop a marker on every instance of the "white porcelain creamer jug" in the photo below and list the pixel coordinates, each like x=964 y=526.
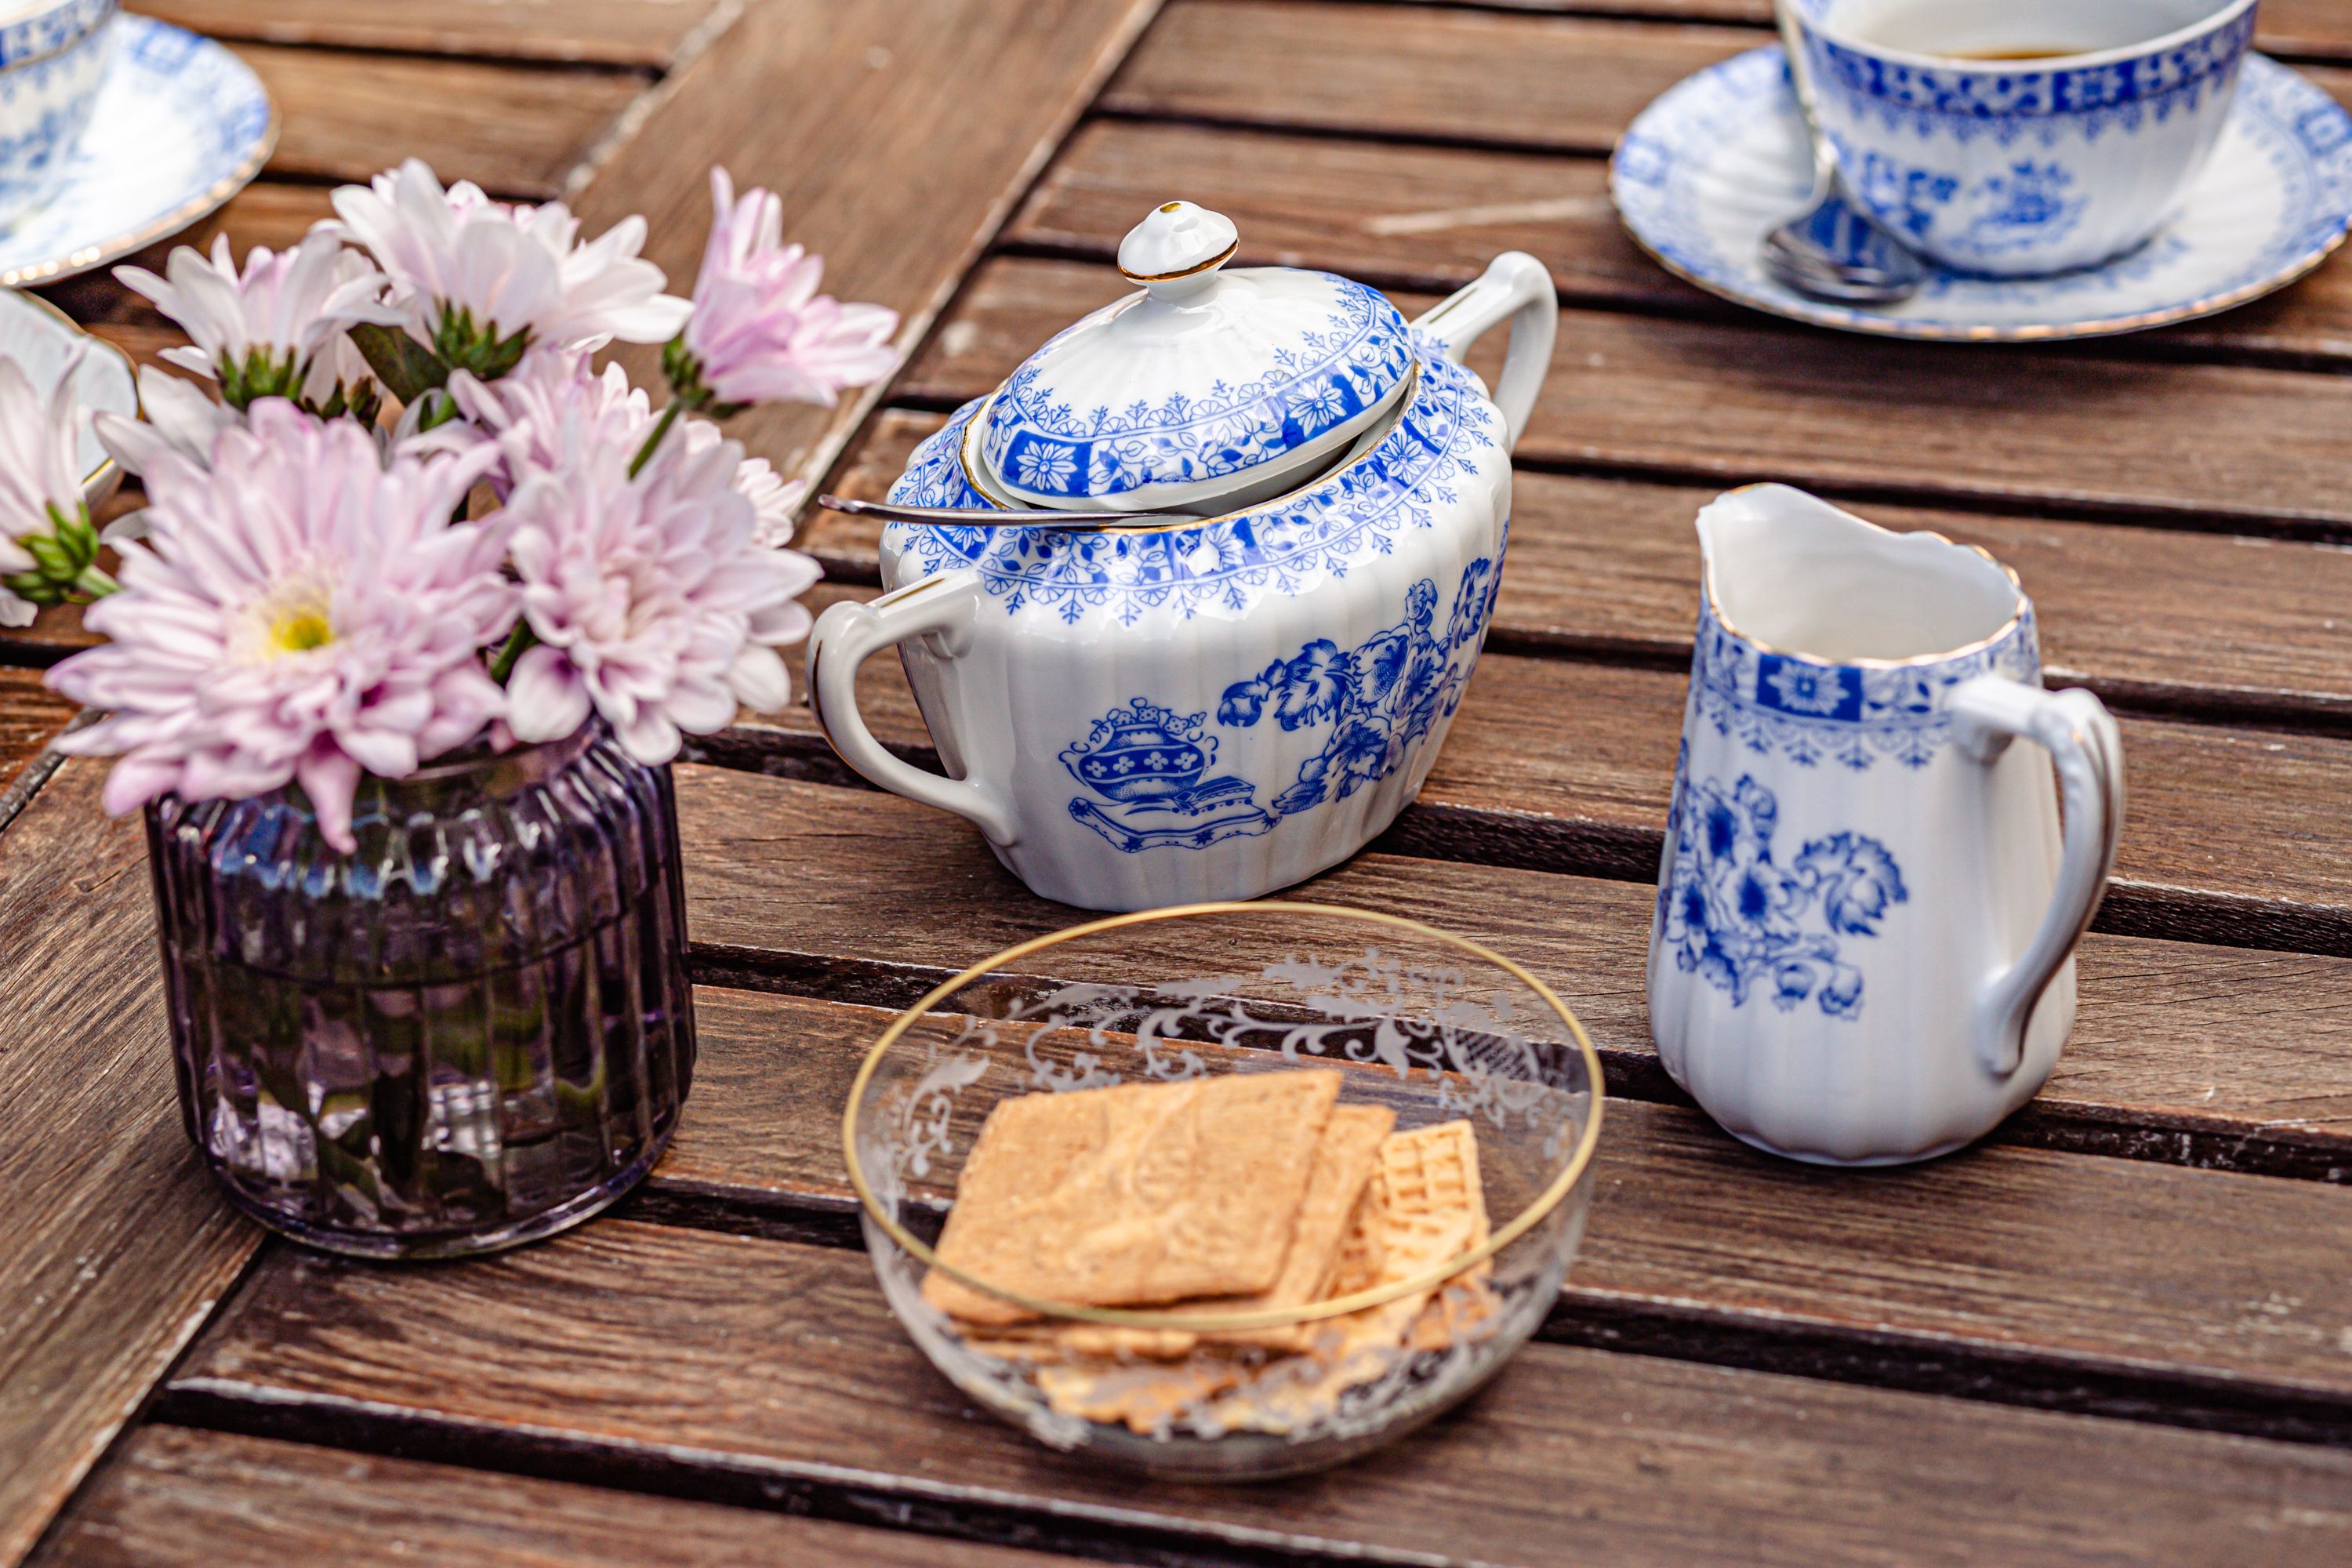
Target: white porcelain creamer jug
x=1867 y=910
x=1154 y=714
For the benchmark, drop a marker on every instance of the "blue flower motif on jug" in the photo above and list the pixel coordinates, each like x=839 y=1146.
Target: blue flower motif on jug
x=1147 y=767
x=1730 y=912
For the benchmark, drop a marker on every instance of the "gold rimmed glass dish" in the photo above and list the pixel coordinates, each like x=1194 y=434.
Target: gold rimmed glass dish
x=1444 y=1033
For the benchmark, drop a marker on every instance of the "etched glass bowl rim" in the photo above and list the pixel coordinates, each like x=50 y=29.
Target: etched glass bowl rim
x=1537 y=1209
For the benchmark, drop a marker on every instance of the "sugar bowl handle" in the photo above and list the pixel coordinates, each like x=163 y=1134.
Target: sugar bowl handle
x=1515 y=286
x=939 y=609
x=2075 y=727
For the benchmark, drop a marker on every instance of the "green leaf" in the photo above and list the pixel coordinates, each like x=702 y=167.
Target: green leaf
x=406 y=367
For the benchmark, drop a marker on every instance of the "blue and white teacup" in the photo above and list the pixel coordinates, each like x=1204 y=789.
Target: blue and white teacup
x=2021 y=137
x=1867 y=906
x=53 y=55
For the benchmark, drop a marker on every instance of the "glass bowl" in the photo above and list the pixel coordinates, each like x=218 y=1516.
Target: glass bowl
x=1433 y=1026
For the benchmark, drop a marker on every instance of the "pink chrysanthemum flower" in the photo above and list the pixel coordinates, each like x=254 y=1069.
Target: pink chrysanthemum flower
x=40 y=486
x=554 y=392
x=299 y=611
x=479 y=280
x=760 y=332
x=652 y=603
x=275 y=330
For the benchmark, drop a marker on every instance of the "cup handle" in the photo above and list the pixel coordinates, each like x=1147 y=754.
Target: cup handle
x=2081 y=737
x=1514 y=285
x=940 y=608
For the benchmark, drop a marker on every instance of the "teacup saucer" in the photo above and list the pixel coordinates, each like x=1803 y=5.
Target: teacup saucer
x=1720 y=158
x=180 y=125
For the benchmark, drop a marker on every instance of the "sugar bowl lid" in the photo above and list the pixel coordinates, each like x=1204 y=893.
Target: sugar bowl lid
x=1208 y=385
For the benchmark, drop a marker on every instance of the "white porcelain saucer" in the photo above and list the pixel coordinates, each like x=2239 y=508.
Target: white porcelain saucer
x=1720 y=159
x=180 y=125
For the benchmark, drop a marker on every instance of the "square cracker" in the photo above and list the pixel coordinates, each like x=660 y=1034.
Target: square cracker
x=1344 y=1161
x=1143 y=1193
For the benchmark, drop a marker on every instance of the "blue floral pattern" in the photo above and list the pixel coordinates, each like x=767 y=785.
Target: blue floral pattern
x=1965 y=104
x=1145 y=767
x=1811 y=712
x=1380 y=699
x=1670 y=181
x=1729 y=911
x=1447 y=433
x=1334 y=374
x=50 y=31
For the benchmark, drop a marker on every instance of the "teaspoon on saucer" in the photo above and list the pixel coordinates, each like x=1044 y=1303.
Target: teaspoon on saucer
x=1832 y=249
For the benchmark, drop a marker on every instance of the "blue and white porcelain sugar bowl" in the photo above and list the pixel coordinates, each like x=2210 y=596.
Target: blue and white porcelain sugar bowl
x=1177 y=710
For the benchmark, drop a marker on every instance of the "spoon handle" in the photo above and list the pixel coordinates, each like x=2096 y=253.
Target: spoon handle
x=991 y=516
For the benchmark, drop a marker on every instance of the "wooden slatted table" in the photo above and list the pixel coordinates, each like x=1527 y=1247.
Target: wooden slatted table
x=2119 y=1332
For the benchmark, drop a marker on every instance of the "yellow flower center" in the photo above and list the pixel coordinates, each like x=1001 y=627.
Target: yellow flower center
x=299 y=631
x=295 y=616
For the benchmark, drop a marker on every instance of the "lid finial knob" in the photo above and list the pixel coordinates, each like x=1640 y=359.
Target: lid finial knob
x=1176 y=249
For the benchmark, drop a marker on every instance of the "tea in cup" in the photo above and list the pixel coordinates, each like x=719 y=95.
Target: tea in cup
x=2017 y=138
x=53 y=55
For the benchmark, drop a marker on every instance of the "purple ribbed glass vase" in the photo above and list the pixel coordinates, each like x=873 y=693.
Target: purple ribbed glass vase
x=474 y=1032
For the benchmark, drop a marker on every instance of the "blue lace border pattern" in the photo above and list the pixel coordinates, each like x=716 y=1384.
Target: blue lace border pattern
x=1965 y=104
x=1448 y=432
x=1351 y=365
x=52 y=31
x=1811 y=712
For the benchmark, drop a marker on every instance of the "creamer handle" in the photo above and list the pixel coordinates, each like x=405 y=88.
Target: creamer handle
x=1514 y=285
x=2075 y=727
x=849 y=634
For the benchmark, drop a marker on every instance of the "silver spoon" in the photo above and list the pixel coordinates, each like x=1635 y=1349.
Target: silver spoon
x=1834 y=250
x=992 y=517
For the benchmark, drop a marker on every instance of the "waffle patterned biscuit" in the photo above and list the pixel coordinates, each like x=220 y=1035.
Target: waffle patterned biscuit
x=1426 y=1206
x=1144 y=1192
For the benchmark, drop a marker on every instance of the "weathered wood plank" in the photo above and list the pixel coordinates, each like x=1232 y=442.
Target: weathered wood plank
x=2308 y=28
x=1429 y=217
x=644 y=32
x=116 y=1245
x=515 y=130
x=1561 y=83
x=899 y=134
x=2118 y=1281
x=2160 y=620
x=1731 y=401
x=1566 y=765
x=748 y=1367
x=2180 y=1052
x=31 y=716
x=174 y=1498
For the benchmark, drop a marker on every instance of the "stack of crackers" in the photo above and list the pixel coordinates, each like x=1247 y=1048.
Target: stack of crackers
x=1248 y=1192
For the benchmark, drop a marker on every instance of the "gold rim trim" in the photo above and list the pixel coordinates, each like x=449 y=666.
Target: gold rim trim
x=2016 y=613
x=211 y=200
x=1227 y=254
x=1374 y=434
x=1539 y=1208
